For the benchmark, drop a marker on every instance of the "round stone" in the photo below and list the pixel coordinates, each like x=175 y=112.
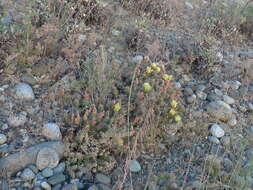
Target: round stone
x=24 y=92
x=47 y=158
x=217 y=131
x=134 y=166
x=3 y=138
x=220 y=110
x=228 y=99
x=27 y=174
x=191 y=99
x=52 y=131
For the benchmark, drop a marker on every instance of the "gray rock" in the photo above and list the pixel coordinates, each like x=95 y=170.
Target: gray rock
x=134 y=166
x=218 y=92
x=103 y=187
x=225 y=140
x=3 y=138
x=57 y=179
x=7 y=20
x=137 y=58
x=228 y=165
x=70 y=187
x=29 y=79
x=234 y=84
x=17 y=120
x=27 y=174
x=47 y=157
x=24 y=92
x=5 y=126
x=177 y=85
x=232 y=122
x=191 y=99
x=47 y=172
x=33 y=168
x=200 y=87
x=250 y=105
x=242 y=108
x=228 y=99
x=93 y=187
x=213 y=97
x=220 y=110
x=60 y=168
x=117 y=174
x=213 y=139
x=249 y=154
x=201 y=95
x=52 y=131
x=101 y=178
x=188 y=91
x=217 y=131
x=57 y=187
x=45 y=185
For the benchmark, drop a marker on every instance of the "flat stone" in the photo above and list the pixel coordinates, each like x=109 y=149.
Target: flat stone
x=228 y=99
x=57 y=179
x=47 y=158
x=220 y=110
x=52 y=131
x=3 y=138
x=47 y=172
x=134 y=166
x=60 y=168
x=24 y=92
x=101 y=178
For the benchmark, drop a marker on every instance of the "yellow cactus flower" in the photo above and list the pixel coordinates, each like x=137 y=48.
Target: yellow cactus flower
x=119 y=141
x=158 y=69
x=154 y=65
x=149 y=70
x=172 y=112
x=167 y=77
x=173 y=103
x=178 y=118
x=117 y=107
x=147 y=87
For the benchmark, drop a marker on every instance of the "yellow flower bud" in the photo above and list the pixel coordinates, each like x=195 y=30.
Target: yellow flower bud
x=167 y=77
x=147 y=87
x=119 y=141
x=149 y=70
x=117 y=107
x=158 y=69
x=173 y=103
x=178 y=118
x=172 y=112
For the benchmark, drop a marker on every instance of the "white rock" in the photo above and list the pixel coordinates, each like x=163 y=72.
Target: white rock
x=217 y=131
x=47 y=158
x=52 y=131
x=24 y=92
x=189 y=5
x=134 y=166
x=232 y=122
x=137 y=58
x=228 y=99
x=3 y=138
x=17 y=120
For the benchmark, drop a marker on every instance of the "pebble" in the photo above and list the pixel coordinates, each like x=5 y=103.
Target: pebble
x=218 y=92
x=200 y=87
x=24 y=92
x=228 y=165
x=52 y=131
x=234 y=84
x=17 y=120
x=3 y=138
x=47 y=157
x=177 y=85
x=33 y=168
x=7 y=20
x=29 y=79
x=220 y=110
x=201 y=95
x=213 y=139
x=191 y=99
x=60 y=168
x=101 y=178
x=93 y=187
x=188 y=91
x=103 y=187
x=27 y=174
x=217 y=131
x=250 y=105
x=47 y=172
x=57 y=179
x=70 y=187
x=57 y=187
x=225 y=140
x=137 y=58
x=228 y=99
x=134 y=166
x=45 y=185
x=213 y=97
x=189 y=5
x=232 y=122
x=5 y=126
x=77 y=183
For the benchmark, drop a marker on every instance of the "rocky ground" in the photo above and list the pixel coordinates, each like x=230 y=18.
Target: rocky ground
x=55 y=134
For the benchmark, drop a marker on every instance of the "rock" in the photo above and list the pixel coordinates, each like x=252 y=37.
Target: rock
x=134 y=166
x=24 y=92
x=217 y=131
x=3 y=138
x=228 y=165
x=232 y=122
x=218 y=92
x=228 y=99
x=57 y=179
x=47 y=172
x=5 y=126
x=70 y=187
x=200 y=87
x=242 y=108
x=188 y=91
x=117 y=174
x=213 y=139
x=52 y=131
x=28 y=79
x=82 y=38
x=220 y=110
x=7 y=20
x=101 y=178
x=189 y=5
x=17 y=120
x=103 y=187
x=33 y=168
x=60 y=168
x=93 y=187
x=250 y=105
x=77 y=183
x=225 y=140
x=47 y=157
x=201 y=95
x=137 y=58
x=249 y=154
x=177 y=85
x=27 y=174
x=45 y=185
x=4 y=185
x=234 y=84
x=213 y=97
x=191 y=99
x=57 y=187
